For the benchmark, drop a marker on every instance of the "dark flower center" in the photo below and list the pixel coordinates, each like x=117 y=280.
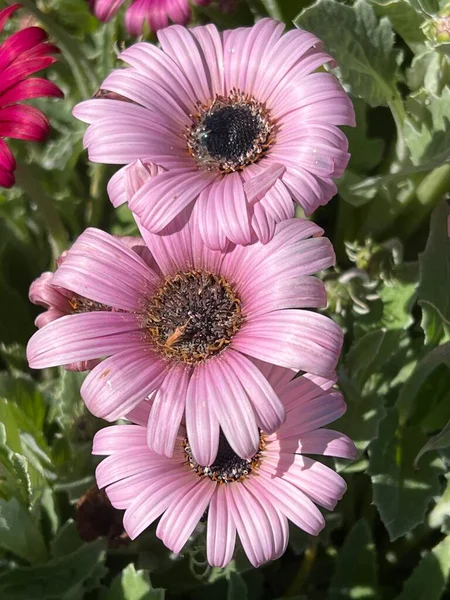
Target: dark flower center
x=230 y=133
x=193 y=316
x=228 y=466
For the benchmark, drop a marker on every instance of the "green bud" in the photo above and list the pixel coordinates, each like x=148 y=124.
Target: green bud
x=437 y=29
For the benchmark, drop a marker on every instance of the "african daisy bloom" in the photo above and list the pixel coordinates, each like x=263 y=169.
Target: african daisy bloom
x=60 y=301
x=253 y=498
x=22 y=54
x=153 y=13
x=237 y=122
x=186 y=327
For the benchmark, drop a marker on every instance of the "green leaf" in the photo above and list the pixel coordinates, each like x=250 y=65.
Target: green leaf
x=19 y=534
x=57 y=578
x=400 y=493
x=237 y=588
x=436 y=442
x=397 y=297
x=429 y=70
x=371 y=352
x=404 y=19
x=362 y=45
x=440 y=515
x=362 y=418
x=429 y=578
x=23 y=391
x=424 y=368
x=434 y=267
x=427 y=129
x=133 y=585
x=365 y=152
x=66 y=541
x=355 y=575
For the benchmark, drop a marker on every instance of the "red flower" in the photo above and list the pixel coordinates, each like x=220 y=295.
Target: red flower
x=23 y=53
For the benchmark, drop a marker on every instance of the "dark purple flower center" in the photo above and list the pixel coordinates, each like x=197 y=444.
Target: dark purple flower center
x=230 y=133
x=193 y=316
x=228 y=466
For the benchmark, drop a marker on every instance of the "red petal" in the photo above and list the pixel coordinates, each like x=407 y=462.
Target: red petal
x=5 y=13
x=30 y=88
x=23 y=123
x=19 y=43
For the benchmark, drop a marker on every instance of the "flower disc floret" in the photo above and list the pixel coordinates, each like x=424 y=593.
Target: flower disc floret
x=193 y=316
x=230 y=134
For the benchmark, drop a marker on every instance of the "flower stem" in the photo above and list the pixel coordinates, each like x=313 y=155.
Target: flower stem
x=304 y=571
x=46 y=210
x=429 y=192
x=399 y=114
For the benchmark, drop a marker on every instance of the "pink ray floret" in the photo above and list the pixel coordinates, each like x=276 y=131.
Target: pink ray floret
x=182 y=323
x=22 y=54
x=239 y=123
x=253 y=498
x=155 y=14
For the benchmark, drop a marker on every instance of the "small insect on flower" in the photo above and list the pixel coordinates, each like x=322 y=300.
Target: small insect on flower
x=250 y=497
x=22 y=54
x=238 y=124
x=185 y=324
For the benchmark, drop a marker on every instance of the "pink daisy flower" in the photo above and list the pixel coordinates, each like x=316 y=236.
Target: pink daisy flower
x=237 y=122
x=251 y=497
x=60 y=301
x=155 y=13
x=23 y=53
x=186 y=327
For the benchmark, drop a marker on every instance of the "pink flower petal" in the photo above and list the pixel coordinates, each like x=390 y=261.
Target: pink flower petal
x=205 y=215
x=232 y=406
x=162 y=198
x=121 y=382
x=221 y=530
x=263 y=531
x=267 y=405
x=258 y=186
x=319 y=441
x=103 y=269
x=262 y=223
x=317 y=481
x=125 y=464
x=183 y=514
x=232 y=208
x=167 y=410
x=208 y=38
x=117 y=438
x=179 y=44
x=314 y=414
x=158 y=66
x=139 y=88
x=140 y=413
x=291 y=502
x=297 y=339
x=155 y=499
x=82 y=337
x=201 y=422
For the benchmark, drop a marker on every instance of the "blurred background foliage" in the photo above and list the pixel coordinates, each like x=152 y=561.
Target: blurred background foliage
x=389 y=538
